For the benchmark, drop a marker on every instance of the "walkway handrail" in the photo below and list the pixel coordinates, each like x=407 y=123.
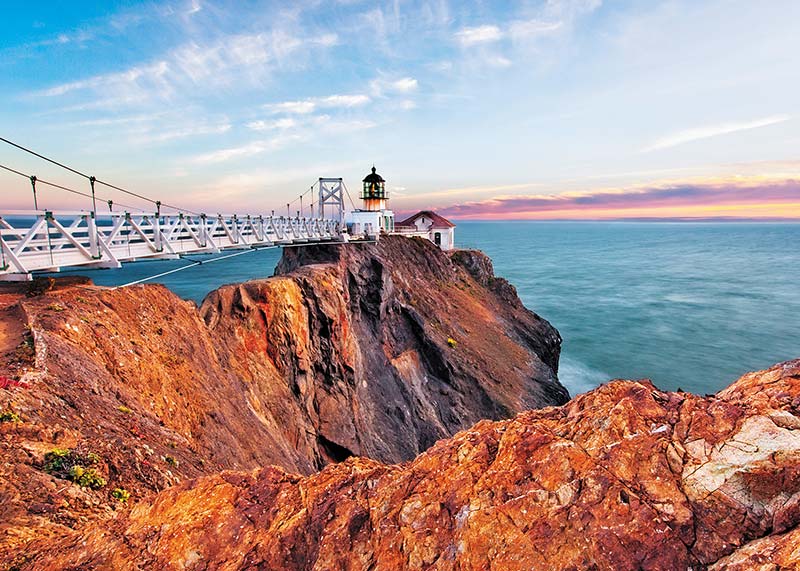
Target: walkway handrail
x=43 y=240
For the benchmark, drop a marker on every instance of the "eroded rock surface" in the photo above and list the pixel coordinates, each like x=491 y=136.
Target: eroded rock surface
x=350 y=356
x=623 y=477
x=383 y=349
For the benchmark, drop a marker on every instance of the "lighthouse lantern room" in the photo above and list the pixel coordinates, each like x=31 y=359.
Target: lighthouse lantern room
x=373 y=218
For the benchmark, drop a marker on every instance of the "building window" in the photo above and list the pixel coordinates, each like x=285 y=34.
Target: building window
x=437 y=238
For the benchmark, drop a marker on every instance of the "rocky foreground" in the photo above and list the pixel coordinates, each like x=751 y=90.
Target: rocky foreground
x=311 y=421
x=624 y=477
x=109 y=396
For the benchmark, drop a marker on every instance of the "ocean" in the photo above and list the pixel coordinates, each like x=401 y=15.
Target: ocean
x=688 y=305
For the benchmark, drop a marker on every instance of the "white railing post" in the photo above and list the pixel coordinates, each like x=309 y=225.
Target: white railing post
x=157 y=233
x=91 y=225
x=204 y=234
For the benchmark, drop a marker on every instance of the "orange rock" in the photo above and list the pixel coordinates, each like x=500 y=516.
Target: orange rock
x=623 y=477
x=295 y=371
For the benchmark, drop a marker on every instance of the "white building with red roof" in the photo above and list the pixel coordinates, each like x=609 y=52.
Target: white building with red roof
x=430 y=225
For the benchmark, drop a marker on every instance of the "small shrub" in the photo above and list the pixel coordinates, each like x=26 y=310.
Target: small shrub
x=171 y=461
x=26 y=350
x=86 y=477
x=125 y=409
x=56 y=307
x=9 y=416
x=452 y=342
x=56 y=460
x=75 y=467
x=121 y=495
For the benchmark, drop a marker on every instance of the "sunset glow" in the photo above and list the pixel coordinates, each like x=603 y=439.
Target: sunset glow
x=526 y=110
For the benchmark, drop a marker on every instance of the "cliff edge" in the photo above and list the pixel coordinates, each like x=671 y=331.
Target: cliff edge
x=108 y=396
x=624 y=477
x=383 y=349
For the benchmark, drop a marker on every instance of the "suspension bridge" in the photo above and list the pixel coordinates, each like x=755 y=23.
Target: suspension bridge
x=42 y=240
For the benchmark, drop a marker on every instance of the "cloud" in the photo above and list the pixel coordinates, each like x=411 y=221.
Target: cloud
x=163 y=135
x=709 y=131
x=529 y=29
x=496 y=61
x=327 y=40
x=404 y=85
x=153 y=72
x=747 y=198
x=283 y=123
x=311 y=105
x=478 y=35
x=382 y=86
x=290 y=130
x=243 y=151
x=194 y=7
x=230 y=61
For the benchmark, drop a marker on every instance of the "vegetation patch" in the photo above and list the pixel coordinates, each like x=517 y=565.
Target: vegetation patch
x=125 y=409
x=86 y=477
x=452 y=342
x=26 y=351
x=9 y=416
x=121 y=495
x=75 y=466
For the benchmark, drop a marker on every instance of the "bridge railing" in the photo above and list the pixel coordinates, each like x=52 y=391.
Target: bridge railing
x=45 y=240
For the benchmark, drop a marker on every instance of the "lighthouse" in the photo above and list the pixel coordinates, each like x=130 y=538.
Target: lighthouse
x=373 y=218
x=374 y=192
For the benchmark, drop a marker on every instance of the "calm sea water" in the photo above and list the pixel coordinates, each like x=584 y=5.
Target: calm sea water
x=688 y=305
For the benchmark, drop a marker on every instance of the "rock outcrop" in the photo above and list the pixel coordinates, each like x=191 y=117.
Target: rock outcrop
x=144 y=391
x=383 y=349
x=623 y=477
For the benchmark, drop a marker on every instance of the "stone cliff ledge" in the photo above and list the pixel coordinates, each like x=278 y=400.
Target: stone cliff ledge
x=375 y=351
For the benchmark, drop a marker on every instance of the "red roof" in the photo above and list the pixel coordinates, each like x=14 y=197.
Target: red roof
x=438 y=221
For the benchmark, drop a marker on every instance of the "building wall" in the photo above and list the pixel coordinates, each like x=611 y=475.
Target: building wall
x=447 y=237
x=361 y=221
x=423 y=223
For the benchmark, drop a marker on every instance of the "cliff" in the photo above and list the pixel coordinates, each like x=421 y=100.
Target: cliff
x=623 y=477
x=383 y=348
x=374 y=350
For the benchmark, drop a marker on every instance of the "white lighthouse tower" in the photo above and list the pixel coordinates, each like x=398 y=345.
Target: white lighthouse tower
x=374 y=217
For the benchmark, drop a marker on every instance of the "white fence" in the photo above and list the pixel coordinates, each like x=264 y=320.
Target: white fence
x=46 y=241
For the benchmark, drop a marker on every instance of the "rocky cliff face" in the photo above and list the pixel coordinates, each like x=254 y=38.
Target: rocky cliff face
x=623 y=477
x=371 y=350
x=383 y=349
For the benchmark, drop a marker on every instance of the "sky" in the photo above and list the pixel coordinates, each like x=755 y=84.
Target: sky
x=565 y=109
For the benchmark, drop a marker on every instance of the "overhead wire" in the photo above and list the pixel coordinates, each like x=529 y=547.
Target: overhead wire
x=347 y=191
x=93 y=179
x=72 y=190
x=186 y=267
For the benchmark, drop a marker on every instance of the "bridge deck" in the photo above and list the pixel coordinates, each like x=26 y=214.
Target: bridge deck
x=47 y=241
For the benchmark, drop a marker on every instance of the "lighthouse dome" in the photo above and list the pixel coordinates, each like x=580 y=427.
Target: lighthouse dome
x=373 y=177
x=374 y=189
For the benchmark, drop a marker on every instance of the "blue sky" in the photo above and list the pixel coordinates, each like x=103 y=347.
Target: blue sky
x=465 y=107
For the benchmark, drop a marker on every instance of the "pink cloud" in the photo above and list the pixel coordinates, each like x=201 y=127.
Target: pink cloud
x=706 y=199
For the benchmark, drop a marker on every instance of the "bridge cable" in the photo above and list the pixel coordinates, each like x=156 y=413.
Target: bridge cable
x=34 y=179
x=192 y=265
x=347 y=191
x=217 y=259
x=92 y=179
